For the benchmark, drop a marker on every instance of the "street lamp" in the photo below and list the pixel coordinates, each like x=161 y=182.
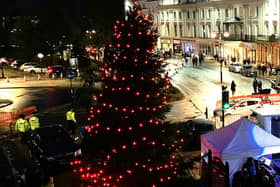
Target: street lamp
x=40 y=56
x=219 y=35
x=223 y=88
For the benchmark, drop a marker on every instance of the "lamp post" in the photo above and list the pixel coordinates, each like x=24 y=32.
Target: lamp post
x=225 y=35
x=40 y=56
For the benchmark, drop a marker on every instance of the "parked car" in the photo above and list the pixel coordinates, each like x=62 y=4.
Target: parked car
x=60 y=70
x=27 y=65
x=239 y=107
x=193 y=129
x=56 y=71
x=5 y=61
x=248 y=70
x=166 y=54
x=235 y=67
x=36 y=69
x=53 y=144
x=17 y=63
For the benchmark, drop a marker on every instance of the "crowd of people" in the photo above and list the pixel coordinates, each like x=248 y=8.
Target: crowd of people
x=253 y=174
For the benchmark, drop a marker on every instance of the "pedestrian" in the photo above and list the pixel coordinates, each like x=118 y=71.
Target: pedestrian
x=22 y=127
x=34 y=122
x=255 y=85
x=259 y=86
x=71 y=120
x=233 y=87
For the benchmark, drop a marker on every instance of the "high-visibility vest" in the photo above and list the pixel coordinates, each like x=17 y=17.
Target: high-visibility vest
x=22 y=125
x=70 y=115
x=34 y=122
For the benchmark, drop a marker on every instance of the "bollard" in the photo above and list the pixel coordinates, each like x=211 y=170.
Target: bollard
x=53 y=76
x=39 y=77
x=61 y=75
x=24 y=78
x=8 y=79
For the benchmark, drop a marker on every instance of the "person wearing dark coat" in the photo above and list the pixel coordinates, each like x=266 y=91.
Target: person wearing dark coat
x=255 y=85
x=233 y=87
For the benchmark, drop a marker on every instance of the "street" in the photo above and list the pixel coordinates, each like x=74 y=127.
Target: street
x=202 y=84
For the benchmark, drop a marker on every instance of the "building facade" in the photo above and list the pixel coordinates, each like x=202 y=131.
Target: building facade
x=244 y=29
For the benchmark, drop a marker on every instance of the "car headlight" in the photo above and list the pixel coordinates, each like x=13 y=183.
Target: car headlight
x=78 y=152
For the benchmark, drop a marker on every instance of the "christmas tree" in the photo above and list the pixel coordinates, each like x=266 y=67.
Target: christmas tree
x=128 y=143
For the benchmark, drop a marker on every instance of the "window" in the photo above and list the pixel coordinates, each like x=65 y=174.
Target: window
x=218 y=13
x=202 y=14
x=180 y=15
x=174 y=15
x=235 y=12
x=209 y=13
x=194 y=15
x=226 y=13
x=175 y=29
x=251 y=12
x=241 y=11
x=181 y=29
x=257 y=11
x=188 y=15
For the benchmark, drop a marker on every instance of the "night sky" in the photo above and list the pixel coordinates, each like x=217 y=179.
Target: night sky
x=112 y=8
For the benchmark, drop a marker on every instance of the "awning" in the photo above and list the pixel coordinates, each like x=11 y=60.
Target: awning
x=234 y=20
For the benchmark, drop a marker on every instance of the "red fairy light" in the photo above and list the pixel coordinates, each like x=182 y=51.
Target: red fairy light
x=118 y=45
x=134 y=143
x=135 y=60
x=131 y=76
x=139 y=33
x=119 y=130
x=144 y=138
x=124 y=146
x=128 y=88
x=127 y=45
x=129 y=171
x=129 y=34
x=124 y=109
x=137 y=49
x=137 y=93
x=182 y=140
x=141 y=125
x=114 y=151
x=146 y=62
x=129 y=128
x=124 y=57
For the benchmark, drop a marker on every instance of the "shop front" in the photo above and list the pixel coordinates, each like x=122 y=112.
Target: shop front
x=188 y=46
x=166 y=44
x=177 y=46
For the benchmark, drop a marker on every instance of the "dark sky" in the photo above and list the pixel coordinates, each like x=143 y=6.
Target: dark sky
x=108 y=8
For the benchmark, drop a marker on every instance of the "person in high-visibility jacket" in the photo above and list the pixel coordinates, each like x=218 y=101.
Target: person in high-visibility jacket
x=34 y=122
x=71 y=120
x=22 y=127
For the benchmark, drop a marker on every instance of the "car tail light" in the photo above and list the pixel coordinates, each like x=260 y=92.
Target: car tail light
x=50 y=70
x=78 y=152
x=50 y=158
